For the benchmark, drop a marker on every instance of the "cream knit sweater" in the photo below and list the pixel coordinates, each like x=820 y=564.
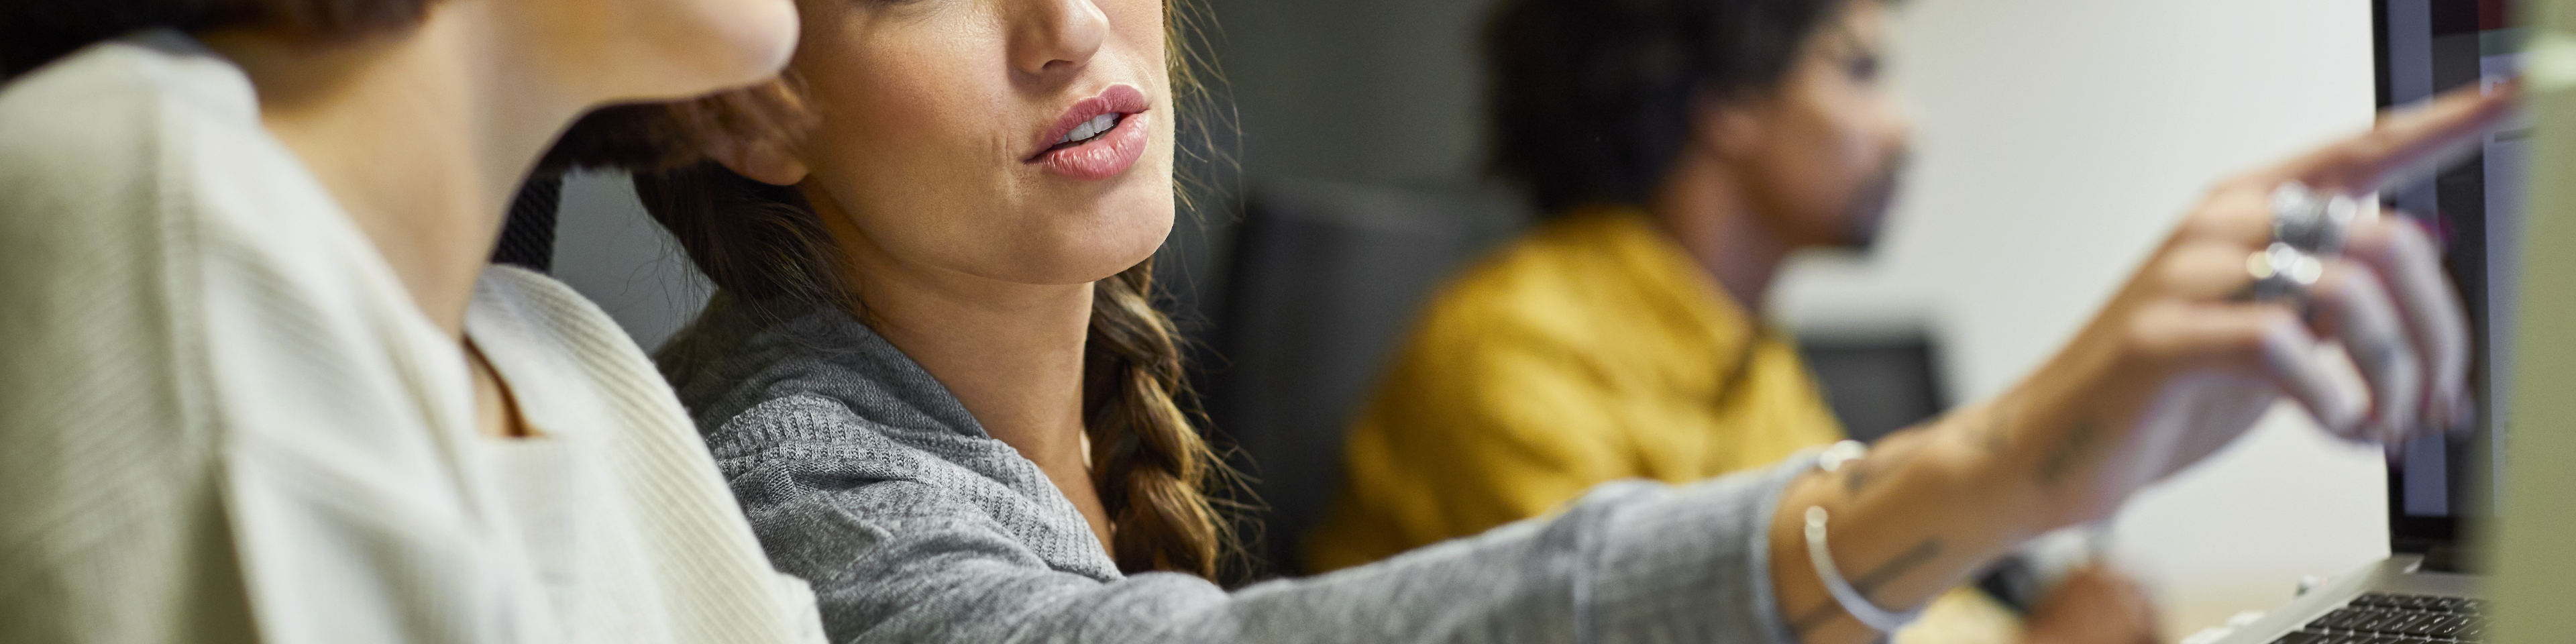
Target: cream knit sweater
x=222 y=420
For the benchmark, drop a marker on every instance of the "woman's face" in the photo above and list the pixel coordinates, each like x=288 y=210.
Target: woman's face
x=1028 y=141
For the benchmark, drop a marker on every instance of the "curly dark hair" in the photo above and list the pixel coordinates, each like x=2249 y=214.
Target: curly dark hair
x=33 y=32
x=1591 y=99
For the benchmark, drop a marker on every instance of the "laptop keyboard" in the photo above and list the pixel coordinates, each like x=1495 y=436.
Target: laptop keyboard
x=2382 y=618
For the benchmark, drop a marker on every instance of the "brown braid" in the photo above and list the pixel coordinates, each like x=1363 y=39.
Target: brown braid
x=1152 y=468
x=761 y=242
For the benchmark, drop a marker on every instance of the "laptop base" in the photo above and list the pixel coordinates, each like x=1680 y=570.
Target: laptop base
x=2394 y=601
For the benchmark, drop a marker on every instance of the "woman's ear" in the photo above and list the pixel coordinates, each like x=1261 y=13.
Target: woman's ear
x=766 y=161
x=1729 y=129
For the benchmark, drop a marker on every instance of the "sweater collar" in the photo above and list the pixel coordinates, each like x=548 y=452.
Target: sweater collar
x=738 y=355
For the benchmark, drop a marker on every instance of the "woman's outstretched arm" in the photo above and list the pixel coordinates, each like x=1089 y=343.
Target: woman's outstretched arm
x=2175 y=367
x=921 y=535
x=914 y=530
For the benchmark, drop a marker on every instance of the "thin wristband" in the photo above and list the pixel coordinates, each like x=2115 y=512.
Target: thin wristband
x=1869 y=614
x=1851 y=599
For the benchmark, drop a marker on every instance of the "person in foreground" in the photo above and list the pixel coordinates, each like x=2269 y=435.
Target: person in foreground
x=260 y=384
x=1624 y=337
x=933 y=378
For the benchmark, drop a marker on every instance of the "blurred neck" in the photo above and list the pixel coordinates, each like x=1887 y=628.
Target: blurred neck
x=1706 y=207
x=422 y=136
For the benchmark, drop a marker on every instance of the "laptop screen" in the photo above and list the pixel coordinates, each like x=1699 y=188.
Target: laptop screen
x=2445 y=485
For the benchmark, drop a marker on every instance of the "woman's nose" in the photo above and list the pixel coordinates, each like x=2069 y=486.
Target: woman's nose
x=1056 y=37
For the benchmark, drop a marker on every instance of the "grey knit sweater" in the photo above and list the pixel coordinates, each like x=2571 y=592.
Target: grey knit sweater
x=864 y=476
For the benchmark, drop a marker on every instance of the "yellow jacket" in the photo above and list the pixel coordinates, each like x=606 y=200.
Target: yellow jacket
x=1592 y=349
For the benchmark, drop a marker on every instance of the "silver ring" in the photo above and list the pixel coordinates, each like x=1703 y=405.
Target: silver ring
x=2282 y=272
x=2309 y=221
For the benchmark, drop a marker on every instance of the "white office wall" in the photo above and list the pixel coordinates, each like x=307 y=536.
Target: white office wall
x=2057 y=141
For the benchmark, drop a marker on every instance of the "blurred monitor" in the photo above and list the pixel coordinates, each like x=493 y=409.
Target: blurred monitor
x=2446 y=486
x=1877 y=383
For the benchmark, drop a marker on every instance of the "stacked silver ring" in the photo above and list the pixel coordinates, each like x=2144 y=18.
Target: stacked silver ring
x=2282 y=272
x=2305 y=226
x=2311 y=222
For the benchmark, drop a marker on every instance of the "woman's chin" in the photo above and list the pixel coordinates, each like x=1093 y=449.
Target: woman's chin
x=761 y=45
x=1082 y=257
x=741 y=42
x=769 y=40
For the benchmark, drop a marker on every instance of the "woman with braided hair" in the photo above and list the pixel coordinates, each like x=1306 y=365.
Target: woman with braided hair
x=933 y=374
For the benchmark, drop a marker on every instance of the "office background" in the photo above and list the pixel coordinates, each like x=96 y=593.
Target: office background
x=2056 y=141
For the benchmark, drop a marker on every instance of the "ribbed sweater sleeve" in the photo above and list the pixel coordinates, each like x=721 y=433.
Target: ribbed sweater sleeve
x=904 y=545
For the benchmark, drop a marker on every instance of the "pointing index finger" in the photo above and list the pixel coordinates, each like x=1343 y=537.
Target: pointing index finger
x=2402 y=140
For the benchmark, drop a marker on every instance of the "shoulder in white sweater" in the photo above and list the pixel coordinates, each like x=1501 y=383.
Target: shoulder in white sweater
x=221 y=419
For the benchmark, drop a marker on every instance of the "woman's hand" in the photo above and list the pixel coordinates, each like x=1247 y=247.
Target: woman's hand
x=2179 y=364
x=2096 y=605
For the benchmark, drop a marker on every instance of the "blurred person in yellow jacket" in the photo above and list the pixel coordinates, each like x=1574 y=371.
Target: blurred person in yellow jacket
x=1683 y=150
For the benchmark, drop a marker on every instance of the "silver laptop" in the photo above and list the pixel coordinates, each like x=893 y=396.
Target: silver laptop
x=2444 y=489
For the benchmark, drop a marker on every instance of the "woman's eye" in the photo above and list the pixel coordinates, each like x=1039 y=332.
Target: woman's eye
x=1864 y=67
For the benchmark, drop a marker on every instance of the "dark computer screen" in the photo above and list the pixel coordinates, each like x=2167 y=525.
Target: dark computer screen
x=2445 y=484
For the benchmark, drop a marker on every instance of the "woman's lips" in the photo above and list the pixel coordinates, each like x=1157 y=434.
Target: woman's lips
x=1106 y=155
x=1100 y=158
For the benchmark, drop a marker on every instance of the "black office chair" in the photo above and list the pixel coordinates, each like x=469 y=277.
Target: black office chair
x=1877 y=383
x=528 y=236
x=1324 y=280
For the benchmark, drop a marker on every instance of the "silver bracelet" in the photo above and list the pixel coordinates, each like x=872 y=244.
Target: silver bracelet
x=1859 y=606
